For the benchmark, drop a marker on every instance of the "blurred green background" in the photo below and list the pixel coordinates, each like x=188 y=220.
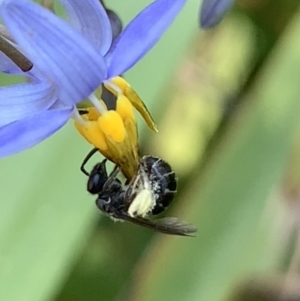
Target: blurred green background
x=227 y=104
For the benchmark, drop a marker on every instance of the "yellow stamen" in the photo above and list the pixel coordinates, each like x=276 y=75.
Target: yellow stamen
x=111 y=125
x=99 y=105
x=132 y=134
x=114 y=132
x=91 y=132
x=121 y=83
x=141 y=108
x=124 y=107
x=93 y=113
x=134 y=98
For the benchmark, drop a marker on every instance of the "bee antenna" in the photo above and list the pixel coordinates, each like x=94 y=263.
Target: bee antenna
x=86 y=159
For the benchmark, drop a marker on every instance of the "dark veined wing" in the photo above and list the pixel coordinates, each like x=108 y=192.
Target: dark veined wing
x=167 y=225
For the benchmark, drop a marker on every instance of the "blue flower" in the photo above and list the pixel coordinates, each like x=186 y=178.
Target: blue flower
x=212 y=12
x=71 y=60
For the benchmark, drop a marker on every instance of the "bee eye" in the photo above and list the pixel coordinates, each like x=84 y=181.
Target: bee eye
x=97 y=179
x=95 y=183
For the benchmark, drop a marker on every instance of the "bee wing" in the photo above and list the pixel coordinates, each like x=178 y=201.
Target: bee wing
x=167 y=225
x=172 y=225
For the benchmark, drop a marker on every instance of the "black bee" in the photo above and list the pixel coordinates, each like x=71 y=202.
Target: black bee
x=149 y=192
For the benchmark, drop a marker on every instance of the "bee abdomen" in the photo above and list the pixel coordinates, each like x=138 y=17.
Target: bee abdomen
x=163 y=181
x=163 y=202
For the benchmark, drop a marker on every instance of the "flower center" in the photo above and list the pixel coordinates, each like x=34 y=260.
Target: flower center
x=96 y=123
x=114 y=132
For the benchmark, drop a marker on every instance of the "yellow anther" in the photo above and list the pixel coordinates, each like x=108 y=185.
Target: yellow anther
x=140 y=107
x=134 y=98
x=121 y=83
x=124 y=108
x=111 y=124
x=91 y=132
x=93 y=113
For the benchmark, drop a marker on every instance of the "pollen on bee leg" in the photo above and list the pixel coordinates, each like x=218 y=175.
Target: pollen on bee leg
x=111 y=124
x=142 y=204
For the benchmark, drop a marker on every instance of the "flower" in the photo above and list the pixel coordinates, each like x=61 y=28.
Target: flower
x=70 y=61
x=212 y=12
x=62 y=75
x=114 y=132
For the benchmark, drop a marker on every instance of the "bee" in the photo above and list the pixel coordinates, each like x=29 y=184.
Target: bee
x=148 y=193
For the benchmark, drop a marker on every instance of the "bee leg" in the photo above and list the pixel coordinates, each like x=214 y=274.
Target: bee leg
x=114 y=172
x=86 y=159
x=112 y=176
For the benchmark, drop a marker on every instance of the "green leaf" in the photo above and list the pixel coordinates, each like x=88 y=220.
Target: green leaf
x=46 y=216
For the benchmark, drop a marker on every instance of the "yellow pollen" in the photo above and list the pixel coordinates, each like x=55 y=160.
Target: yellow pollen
x=111 y=125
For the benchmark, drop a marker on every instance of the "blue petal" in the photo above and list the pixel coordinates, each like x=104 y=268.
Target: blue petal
x=65 y=57
x=23 y=100
x=141 y=34
x=25 y=133
x=212 y=12
x=90 y=19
